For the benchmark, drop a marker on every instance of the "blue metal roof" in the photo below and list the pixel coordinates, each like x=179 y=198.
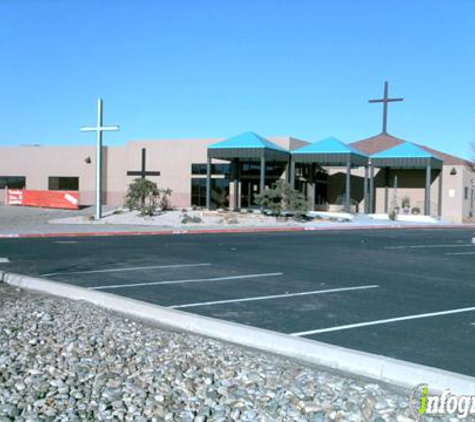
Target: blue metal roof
x=404 y=150
x=328 y=146
x=246 y=140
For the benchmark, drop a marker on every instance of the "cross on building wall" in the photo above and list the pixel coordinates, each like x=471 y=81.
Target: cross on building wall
x=385 y=100
x=143 y=173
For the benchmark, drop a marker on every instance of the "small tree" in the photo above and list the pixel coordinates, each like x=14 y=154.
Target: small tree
x=165 y=203
x=144 y=195
x=283 y=198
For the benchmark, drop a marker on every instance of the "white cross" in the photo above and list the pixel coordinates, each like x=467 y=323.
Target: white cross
x=99 y=129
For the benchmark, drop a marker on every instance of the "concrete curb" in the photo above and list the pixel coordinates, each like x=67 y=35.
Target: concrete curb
x=232 y=230
x=396 y=372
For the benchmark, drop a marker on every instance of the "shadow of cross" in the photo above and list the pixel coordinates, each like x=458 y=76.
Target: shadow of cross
x=143 y=172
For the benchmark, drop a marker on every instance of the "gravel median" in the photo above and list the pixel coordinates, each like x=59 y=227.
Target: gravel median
x=63 y=360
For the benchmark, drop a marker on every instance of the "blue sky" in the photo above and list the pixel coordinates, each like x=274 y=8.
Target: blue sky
x=216 y=68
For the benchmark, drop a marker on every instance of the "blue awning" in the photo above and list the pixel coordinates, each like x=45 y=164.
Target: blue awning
x=248 y=145
x=406 y=155
x=329 y=151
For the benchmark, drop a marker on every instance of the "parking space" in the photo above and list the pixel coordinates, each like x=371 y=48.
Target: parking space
x=408 y=294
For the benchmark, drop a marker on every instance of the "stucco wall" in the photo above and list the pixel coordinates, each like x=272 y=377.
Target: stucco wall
x=173 y=158
x=37 y=164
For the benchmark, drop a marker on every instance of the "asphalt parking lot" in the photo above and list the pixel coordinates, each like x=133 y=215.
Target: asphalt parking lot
x=407 y=294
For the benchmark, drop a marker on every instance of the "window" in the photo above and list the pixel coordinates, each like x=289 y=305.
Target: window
x=198 y=192
x=253 y=169
x=63 y=183
x=12 y=182
x=198 y=169
x=201 y=169
x=219 y=192
x=466 y=192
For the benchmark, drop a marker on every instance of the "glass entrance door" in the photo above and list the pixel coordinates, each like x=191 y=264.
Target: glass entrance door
x=249 y=188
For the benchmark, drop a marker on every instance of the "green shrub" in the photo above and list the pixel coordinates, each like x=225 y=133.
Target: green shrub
x=144 y=195
x=283 y=198
x=188 y=219
x=415 y=210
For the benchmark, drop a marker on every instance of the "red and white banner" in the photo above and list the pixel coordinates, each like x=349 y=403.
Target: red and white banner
x=13 y=196
x=40 y=198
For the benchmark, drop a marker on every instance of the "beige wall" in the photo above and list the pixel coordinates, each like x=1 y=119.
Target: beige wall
x=37 y=164
x=173 y=158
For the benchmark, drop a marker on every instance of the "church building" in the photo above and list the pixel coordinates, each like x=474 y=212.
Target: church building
x=373 y=175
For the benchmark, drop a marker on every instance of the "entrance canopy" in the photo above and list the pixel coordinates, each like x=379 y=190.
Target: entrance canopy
x=406 y=156
x=411 y=157
x=329 y=152
x=248 y=145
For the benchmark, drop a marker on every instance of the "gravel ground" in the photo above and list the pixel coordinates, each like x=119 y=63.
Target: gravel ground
x=28 y=220
x=175 y=219
x=64 y=360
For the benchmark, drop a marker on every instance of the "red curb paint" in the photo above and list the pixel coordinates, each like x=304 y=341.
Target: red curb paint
x=242 y=230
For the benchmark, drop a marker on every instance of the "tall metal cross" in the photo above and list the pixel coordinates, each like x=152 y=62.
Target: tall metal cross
x=99 y=129
x=385 y=100
x=143 y=172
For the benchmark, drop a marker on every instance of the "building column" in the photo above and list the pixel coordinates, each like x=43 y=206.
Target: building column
x=263 y=172
x=208 y=184
x=427 y=191
x=365 y=190
x=348 y=186
x=311 y=188
x=441 y=183
x=292 y=173
x=371 y=189
x=236 y=184
x=386 y=190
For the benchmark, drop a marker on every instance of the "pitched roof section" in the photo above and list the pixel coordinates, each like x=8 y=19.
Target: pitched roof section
x=246 y=140
x=328 y=146
x=247 y=146
x=406 y=156
x=383 y=142
x=404 y=150
x=329 y=152
x=376 y=143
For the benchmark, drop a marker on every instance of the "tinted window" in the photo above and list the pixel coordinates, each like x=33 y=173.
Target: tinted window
x=63 y=183
x=12 y=182
x=200 y=169
x=219 y=192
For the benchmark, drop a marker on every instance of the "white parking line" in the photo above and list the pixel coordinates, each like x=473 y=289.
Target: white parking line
x=250 y=299
x=467 y=245
x=4 y=261
x=115 y=270
x=197 y=280
x=460 y=253
x=383 y=321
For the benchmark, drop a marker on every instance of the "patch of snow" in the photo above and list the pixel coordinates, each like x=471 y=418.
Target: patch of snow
x=409 y=218
x=341 y=216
